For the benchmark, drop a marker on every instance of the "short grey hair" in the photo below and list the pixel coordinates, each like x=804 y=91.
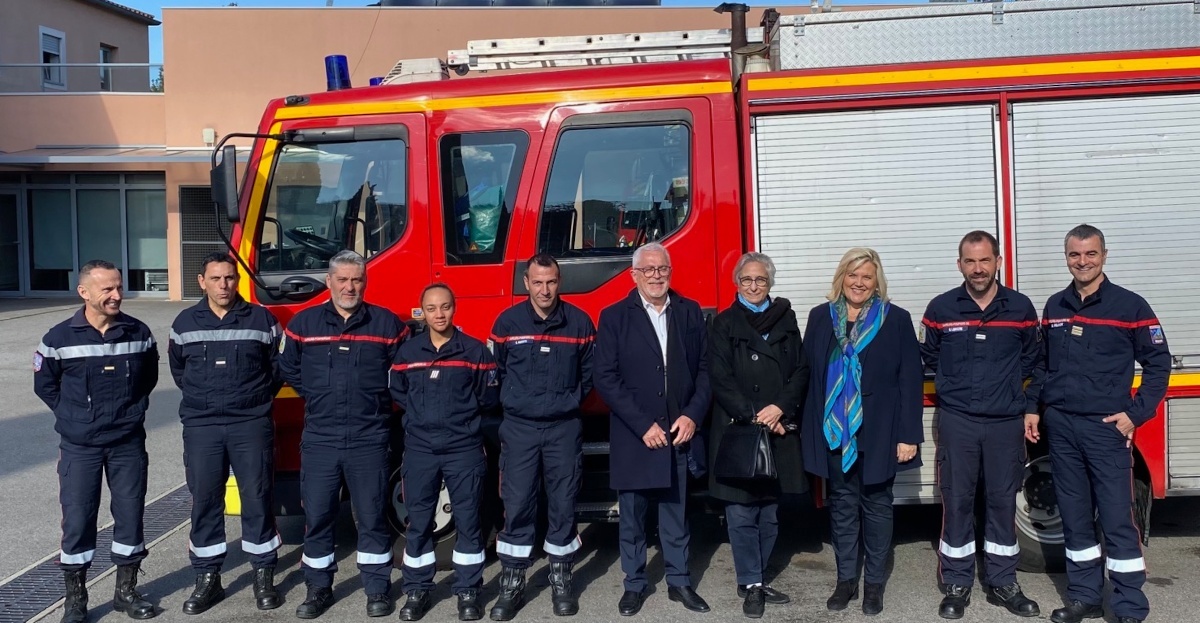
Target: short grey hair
x=760 y=258
x=652 y=247
x=1083 y=232
x=347 y=257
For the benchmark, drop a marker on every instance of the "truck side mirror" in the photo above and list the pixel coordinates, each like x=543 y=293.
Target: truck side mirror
x=224 y=183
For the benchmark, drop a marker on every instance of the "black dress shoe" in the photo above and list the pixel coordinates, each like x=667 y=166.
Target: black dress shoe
x=872 y=598
x=630 y=603
x=1013 y=599
x=1076 y=612
x=771 y=595
x=954 y=604
x=468 y=606
x=755 y=603
x=207 y=594
x=379 y=605
x=843 y=594
x=315 y=603
x=688 y=597
x=416 y=606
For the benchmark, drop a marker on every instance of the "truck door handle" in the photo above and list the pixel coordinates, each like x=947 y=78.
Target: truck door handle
x=300 y=287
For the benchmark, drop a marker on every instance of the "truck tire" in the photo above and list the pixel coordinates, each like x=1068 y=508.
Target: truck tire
x=1039 y=526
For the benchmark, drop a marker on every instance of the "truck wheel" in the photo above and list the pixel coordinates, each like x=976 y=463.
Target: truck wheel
x=1039 y=526
x=443 y=524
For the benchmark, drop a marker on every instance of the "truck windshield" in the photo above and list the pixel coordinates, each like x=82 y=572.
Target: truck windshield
x=328 y=197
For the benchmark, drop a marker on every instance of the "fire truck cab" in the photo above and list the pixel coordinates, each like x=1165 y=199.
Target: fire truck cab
x=900 y=130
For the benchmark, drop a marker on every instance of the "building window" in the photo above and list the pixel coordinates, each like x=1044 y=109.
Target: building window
x=615 y=188
x=480 y=172
x=54 y=49
x=108 y=54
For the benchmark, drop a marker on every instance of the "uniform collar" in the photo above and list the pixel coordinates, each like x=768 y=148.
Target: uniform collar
x=1073 y=295
x=968 y=304
x=554 y=319
x=79 y=320
x=239 y=307
x=455 y=345
x=333 y=317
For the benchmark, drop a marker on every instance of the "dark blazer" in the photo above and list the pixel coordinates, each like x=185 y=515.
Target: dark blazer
x=747 y=374
x=628 y=374
x=892 y=395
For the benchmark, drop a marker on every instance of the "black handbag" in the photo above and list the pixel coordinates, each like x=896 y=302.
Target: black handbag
x=745 y=453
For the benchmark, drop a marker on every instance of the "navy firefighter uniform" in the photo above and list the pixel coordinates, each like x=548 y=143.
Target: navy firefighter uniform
x=98 y=387
x=545 y=371
x=444 y=392
x=226 y=369
x=1091 y=346
x=340 y=368
x=981 y=358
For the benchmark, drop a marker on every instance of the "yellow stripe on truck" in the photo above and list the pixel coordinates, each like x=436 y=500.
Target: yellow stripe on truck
x=958 y=74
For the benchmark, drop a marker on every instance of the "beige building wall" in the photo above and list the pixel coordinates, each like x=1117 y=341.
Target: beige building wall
x=224 y=64
x=81 y=119
x=86 y=27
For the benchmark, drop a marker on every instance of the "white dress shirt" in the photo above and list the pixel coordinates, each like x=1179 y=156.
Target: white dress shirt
x=659 y=320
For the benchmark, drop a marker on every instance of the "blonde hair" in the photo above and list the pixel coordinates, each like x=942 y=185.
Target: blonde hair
x=850 y=262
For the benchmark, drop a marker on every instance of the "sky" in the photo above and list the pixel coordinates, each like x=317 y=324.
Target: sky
x=154 y=7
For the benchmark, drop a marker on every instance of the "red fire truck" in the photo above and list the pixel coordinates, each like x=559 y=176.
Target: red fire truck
x=899 y=130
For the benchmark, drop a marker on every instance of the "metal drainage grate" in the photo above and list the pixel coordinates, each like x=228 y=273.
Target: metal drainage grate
x=41 y=587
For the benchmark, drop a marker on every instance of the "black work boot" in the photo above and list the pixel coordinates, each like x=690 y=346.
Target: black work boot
x=126 y=598
x=316 y=602
x=954 y=604
x=379 y=605
x=468 y=605
x=565 y=602
x=512 y=594
x=207 y=594
x=1012 y=598
x=75 y=605
x=872 y=598
x=1077 y=612
x=266 y=596
x=416 y=606
x=842 y=595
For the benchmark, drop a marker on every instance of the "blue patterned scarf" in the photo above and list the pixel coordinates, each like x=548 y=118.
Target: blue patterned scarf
x=843 y=382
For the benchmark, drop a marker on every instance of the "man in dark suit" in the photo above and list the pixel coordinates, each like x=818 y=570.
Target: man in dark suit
x=651 y=369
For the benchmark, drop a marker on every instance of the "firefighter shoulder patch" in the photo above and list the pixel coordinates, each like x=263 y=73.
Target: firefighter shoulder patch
x=282 y=343
x=38 y=359
x=491 y=346
x=1156 y=335
x=921 y=333
x=492 y=379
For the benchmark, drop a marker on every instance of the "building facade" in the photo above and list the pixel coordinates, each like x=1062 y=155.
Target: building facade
x=122 y=174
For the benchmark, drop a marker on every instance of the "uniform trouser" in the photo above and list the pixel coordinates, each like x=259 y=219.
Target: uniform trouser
x=967 y=446
x=753 y=529
x=529 y=456
x=1093 y=472
x=208 y=453
x=854 y=506
x=365 y=470
x=672 y=528
x=422 y=475
x=80 y=468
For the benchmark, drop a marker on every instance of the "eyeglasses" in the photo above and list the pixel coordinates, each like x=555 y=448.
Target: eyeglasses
x=650 y=271
x=758 y=281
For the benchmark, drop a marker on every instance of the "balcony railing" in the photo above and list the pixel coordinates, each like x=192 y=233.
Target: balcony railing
x=80 y=78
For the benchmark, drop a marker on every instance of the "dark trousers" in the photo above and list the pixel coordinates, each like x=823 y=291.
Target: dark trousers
x=1093 y=472
x=672 y=528
x=365 y=471
x=423 y=474
x=80 y=469
x=753 y=529
x=967 y=446
x=856 y=509
x=529 y=457
x=208 y=453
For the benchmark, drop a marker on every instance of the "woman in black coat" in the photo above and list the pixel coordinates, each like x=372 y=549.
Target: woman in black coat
x=759 y=377
x=862 y=419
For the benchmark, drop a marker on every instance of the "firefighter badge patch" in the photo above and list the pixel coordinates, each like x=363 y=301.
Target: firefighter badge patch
x=282 y=343
x=37 y=362
x=491 y=346
x=921 y=333
x=492 y=380
x=1156 y=335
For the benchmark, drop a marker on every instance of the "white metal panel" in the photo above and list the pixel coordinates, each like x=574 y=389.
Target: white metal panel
x=905 y=182
x=1127 y=166
x=1183 y=443
x=921 y=484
